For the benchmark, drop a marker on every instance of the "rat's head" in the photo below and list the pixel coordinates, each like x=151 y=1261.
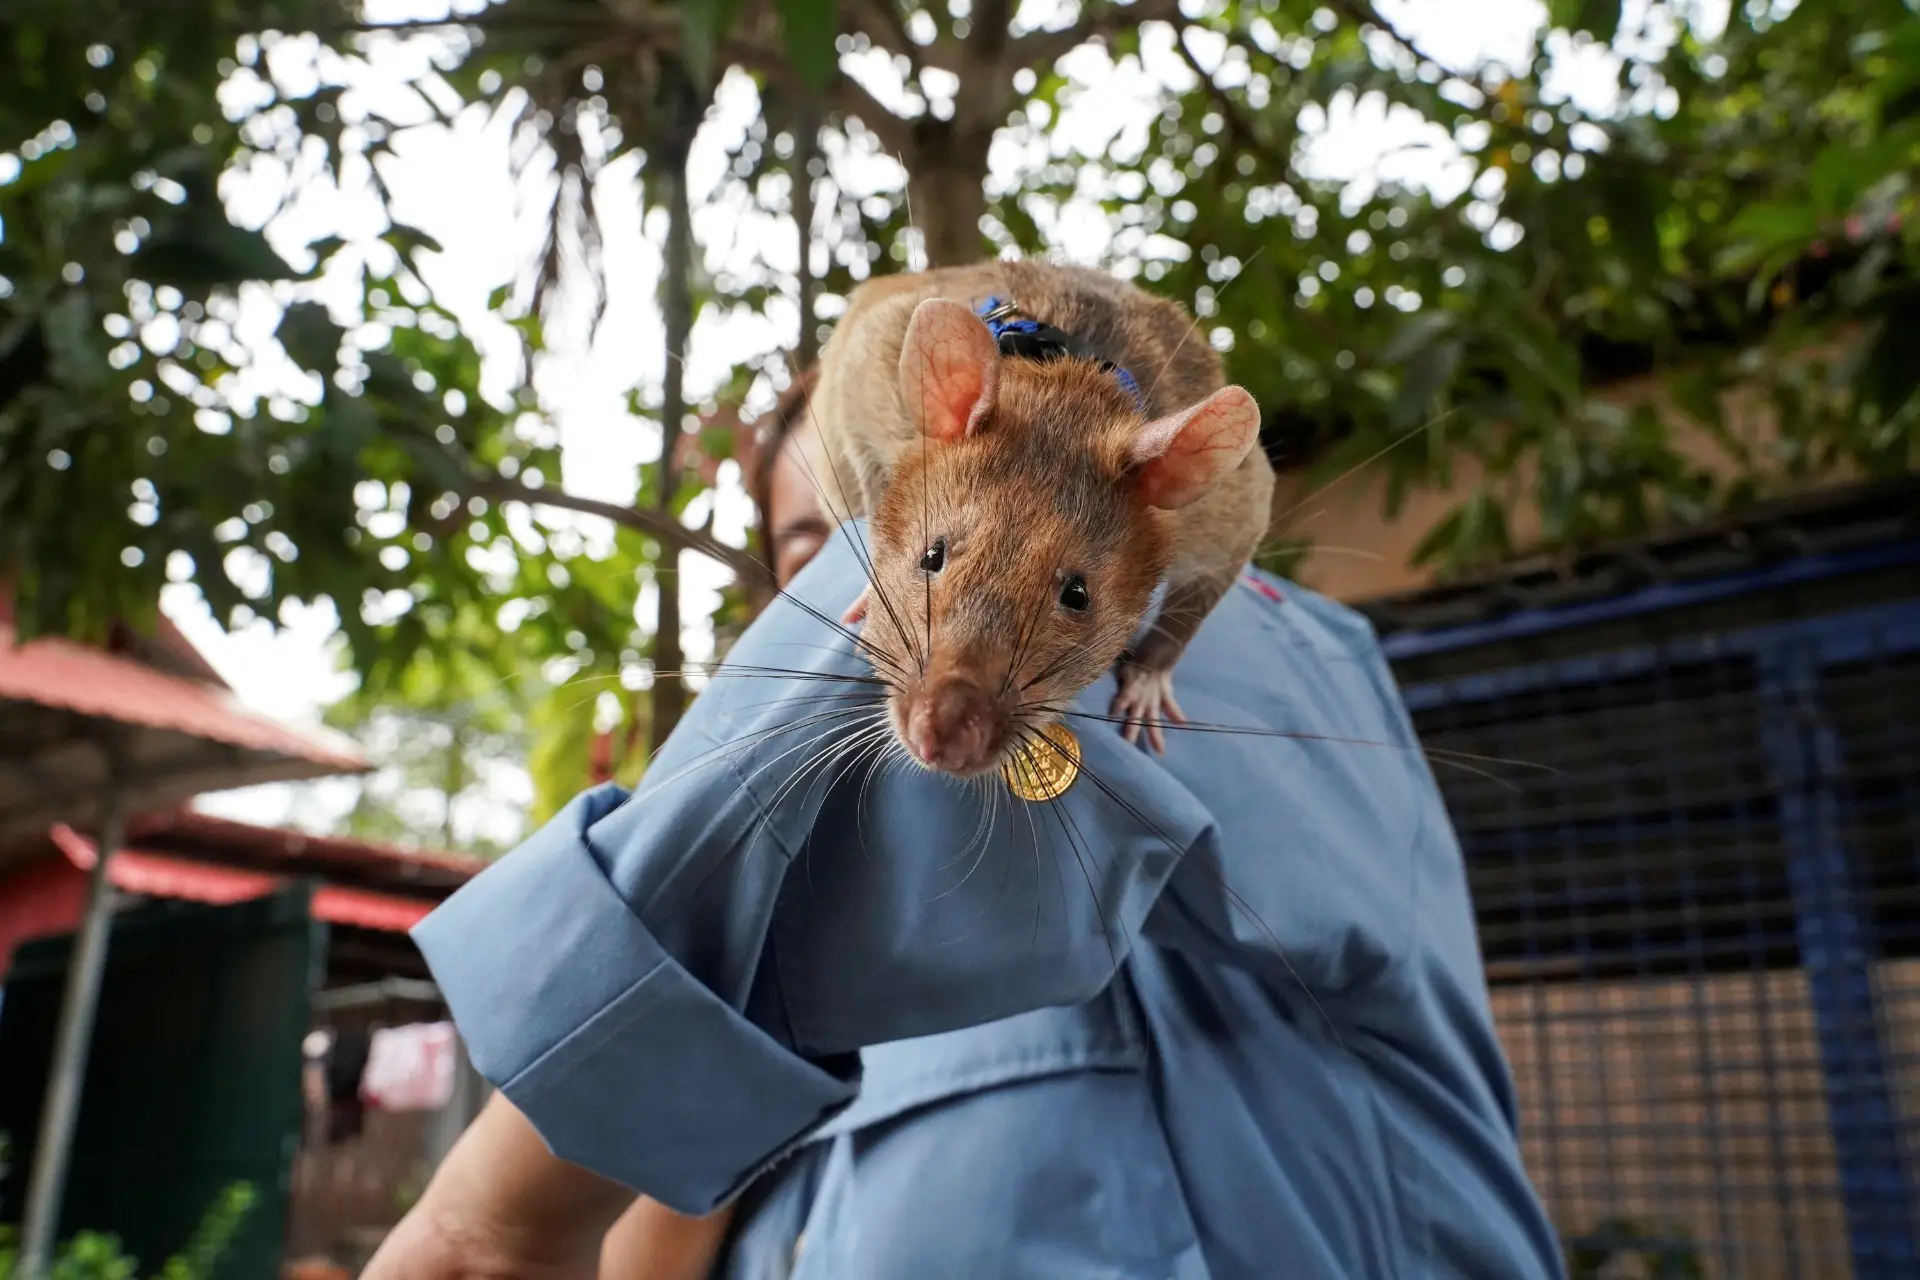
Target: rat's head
x=1017 y=546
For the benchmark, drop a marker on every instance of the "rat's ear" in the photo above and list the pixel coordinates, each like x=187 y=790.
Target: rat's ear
x=949 y=370
x=1179 y=459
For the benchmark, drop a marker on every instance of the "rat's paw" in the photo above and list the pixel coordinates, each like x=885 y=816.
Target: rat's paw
x=1145 y=700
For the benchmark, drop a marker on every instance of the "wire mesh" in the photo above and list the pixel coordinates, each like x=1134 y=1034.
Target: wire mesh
x=1701 y=921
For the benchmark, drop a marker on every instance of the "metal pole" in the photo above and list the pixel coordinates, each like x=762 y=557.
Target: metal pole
x=446 y=1126
x=71 y=1040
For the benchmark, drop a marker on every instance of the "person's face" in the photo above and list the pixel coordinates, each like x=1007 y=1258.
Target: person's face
x=797 y=524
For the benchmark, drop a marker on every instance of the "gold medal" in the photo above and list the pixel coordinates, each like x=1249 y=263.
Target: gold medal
x=1045 y=768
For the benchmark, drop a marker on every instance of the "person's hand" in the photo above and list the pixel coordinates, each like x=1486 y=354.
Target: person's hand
x=502 y=1207
x=652 y=1242
x=448 y=1245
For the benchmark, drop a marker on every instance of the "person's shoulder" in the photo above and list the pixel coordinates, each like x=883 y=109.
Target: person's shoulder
x=1283 y=596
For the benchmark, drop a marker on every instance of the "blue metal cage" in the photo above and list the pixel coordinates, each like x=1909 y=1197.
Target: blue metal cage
x=1698 y=885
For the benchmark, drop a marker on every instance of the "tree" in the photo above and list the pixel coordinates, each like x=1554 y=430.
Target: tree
x=138 y=438
x=441 y=738
x=1742 y=198
x=1737 y=211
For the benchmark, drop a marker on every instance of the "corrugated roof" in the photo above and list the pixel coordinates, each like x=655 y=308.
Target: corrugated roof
x=64 y=707
x=54 y=672
x=157 y=875
x=206 y=835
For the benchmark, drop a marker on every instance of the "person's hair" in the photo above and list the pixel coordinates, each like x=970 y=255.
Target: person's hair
x=1291 y=440
x=789 y=411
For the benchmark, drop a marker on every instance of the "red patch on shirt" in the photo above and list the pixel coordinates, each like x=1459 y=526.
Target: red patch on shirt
x=1265 y=588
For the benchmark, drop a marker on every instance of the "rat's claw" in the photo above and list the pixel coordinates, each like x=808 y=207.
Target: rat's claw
x=1145 y=700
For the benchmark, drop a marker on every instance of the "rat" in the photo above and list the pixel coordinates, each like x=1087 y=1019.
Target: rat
x=1036 y=448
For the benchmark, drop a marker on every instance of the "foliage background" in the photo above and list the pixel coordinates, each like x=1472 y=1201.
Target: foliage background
x=1646 y=220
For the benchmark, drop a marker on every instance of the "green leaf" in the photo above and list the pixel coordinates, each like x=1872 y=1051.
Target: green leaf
x=323 y=250
x=1767 y=232
x=410 y=241
x=1633 y=212
x=311 y=338
x=205 y=251
x=811 y=28
x=1890 y=376
x=704 y=23
x=1415 y=334
x=1426 y=374
x=1600 y=18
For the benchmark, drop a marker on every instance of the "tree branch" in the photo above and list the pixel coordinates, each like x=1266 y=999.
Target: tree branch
x=1238 y=123
x=845 y=93
x=888 y=30
x=895 y=132
x=990 y=21
x=503 y=19
x=640 y=519
x=1364 y=13
x=893 y=36
x=1044 y=48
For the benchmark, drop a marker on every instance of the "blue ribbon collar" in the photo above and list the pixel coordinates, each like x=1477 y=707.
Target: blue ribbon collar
x=1029 y=339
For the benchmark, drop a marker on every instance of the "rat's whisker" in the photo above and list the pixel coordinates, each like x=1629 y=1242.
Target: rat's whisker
x=813 y=765
x=1455 y=754
x=748 y=742
x=1030 y=627
x=1443 y=755
x=693 y=889
x=926 y=493
x=1188 y=335
x=1033 y=832
x=747 y=782
x=1239 y=903
x=1327 y=548
x=864 y=698
x=979 y=817
x=842 y=629
x=980 y=789
x=886 y=744
x=1083 y=855
x=860 y=550
x=1031 y=773
x=748 y=671
x=982 y=834
x=1279 y=520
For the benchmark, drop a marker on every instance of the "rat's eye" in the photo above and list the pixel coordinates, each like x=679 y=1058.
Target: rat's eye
x=1073 y=594
x=934 y=558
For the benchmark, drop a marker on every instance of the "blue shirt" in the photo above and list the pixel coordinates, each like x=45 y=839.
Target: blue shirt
x=1208 y=1015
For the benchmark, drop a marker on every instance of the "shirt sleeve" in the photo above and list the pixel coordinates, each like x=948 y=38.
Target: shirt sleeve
x=1331 y=849
x=674 y=985
x=625 y=1063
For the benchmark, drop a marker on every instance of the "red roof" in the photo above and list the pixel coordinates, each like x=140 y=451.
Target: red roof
x=48 y=895
x=55 y=672
x=186 y=830
x=159 y=876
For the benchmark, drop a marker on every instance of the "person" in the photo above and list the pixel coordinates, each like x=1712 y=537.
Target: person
x=1258 y=1045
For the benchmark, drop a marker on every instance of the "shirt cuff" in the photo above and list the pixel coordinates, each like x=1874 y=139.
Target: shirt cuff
x=623 y=1062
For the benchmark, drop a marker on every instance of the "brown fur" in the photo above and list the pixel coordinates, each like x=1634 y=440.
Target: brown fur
x=1039 y=493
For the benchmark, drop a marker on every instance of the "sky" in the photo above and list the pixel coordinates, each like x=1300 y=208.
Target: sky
x=454 y=182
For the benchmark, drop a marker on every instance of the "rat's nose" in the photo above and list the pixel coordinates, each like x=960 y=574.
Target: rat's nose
x=948 y=726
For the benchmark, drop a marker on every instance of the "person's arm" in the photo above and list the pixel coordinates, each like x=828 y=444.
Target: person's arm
x=502 y=1206
x=674 y=986
x=652 y=1242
